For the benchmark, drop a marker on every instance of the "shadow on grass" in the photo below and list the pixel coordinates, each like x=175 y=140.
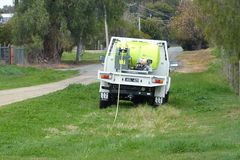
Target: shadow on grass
x=131 y=105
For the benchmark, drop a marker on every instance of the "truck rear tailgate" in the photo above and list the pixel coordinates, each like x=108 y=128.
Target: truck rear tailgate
x=132 y=79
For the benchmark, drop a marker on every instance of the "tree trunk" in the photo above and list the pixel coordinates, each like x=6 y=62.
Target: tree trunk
x=79 y=50
x=106 y=26
x=15 y=4
x=52 y=47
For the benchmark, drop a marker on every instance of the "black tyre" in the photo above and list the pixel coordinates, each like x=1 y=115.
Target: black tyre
x=152 y=102
x=113 y=99
x=165 y=99
x=103 y=104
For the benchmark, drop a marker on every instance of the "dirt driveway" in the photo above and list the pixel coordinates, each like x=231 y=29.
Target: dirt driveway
x=88 y=75
x=194 y=61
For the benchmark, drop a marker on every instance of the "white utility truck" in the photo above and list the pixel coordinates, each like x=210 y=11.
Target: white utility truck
x=135 y=70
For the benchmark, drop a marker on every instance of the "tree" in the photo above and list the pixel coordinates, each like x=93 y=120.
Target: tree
x=81 y=21
x=185 y=29
x=110 y=11
x=41 y=27
x=46 y=24
x=53 y=47
x=31 y=25
x=7 y=9
x=6 y=33
x=221 y=26
x=155 y=27
x=155 y=16
x=124 y=28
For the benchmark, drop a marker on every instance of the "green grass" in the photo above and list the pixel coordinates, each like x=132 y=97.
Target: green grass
x=87 y=57
x=13 y=76
x=201 y=121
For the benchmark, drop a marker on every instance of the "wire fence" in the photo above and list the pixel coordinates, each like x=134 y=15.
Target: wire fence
x=232 y=72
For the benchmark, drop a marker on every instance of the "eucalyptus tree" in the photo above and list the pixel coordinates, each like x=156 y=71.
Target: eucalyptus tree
x=81 y=22
x=85 y=19
x=31 y=23
x=38 y=27
x=52 y=40
x=109 y=11
x=44 y=24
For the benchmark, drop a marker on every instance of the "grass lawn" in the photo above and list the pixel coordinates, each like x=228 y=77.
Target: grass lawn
x=201 y=121
x=87 y=57
x=13 y=76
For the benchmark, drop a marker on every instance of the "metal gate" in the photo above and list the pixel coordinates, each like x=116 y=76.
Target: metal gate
x=4 y=54
x=19 y=55
x=12 y=55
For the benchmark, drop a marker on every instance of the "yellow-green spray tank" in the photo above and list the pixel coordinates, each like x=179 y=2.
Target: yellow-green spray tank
x=142 y=50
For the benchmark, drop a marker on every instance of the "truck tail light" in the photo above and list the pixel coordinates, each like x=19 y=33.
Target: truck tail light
x=157 y=80
x=105 y=76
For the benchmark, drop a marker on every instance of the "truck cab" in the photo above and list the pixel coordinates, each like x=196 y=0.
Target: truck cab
x=135 y=70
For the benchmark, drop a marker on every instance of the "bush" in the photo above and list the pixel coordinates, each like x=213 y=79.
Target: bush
x=185 y=29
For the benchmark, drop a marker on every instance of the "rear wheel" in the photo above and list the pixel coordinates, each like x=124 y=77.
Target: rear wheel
x=105 y=100
x=165 y=99
x=113 y=99
x=155 y=101
x=103 y=104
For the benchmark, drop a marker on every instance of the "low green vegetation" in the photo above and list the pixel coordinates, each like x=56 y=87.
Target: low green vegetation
x=14 y=76
x=87 y=57
x=201 y=121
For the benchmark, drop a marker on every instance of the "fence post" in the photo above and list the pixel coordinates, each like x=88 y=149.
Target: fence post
x=239 y=77
x=236 y=77
x=11 y=55
x=0 y=53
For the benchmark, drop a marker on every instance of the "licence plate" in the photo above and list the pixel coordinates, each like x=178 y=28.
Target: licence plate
x=132 y=79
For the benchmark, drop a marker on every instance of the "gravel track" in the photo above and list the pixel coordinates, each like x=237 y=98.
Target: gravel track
x=88 y=75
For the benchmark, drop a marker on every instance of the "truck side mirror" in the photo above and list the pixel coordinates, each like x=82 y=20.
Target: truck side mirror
x=102 y=59
x=173 y=65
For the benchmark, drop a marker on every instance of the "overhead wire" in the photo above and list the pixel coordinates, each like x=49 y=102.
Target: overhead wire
x=157 y=12
x=151 y=10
